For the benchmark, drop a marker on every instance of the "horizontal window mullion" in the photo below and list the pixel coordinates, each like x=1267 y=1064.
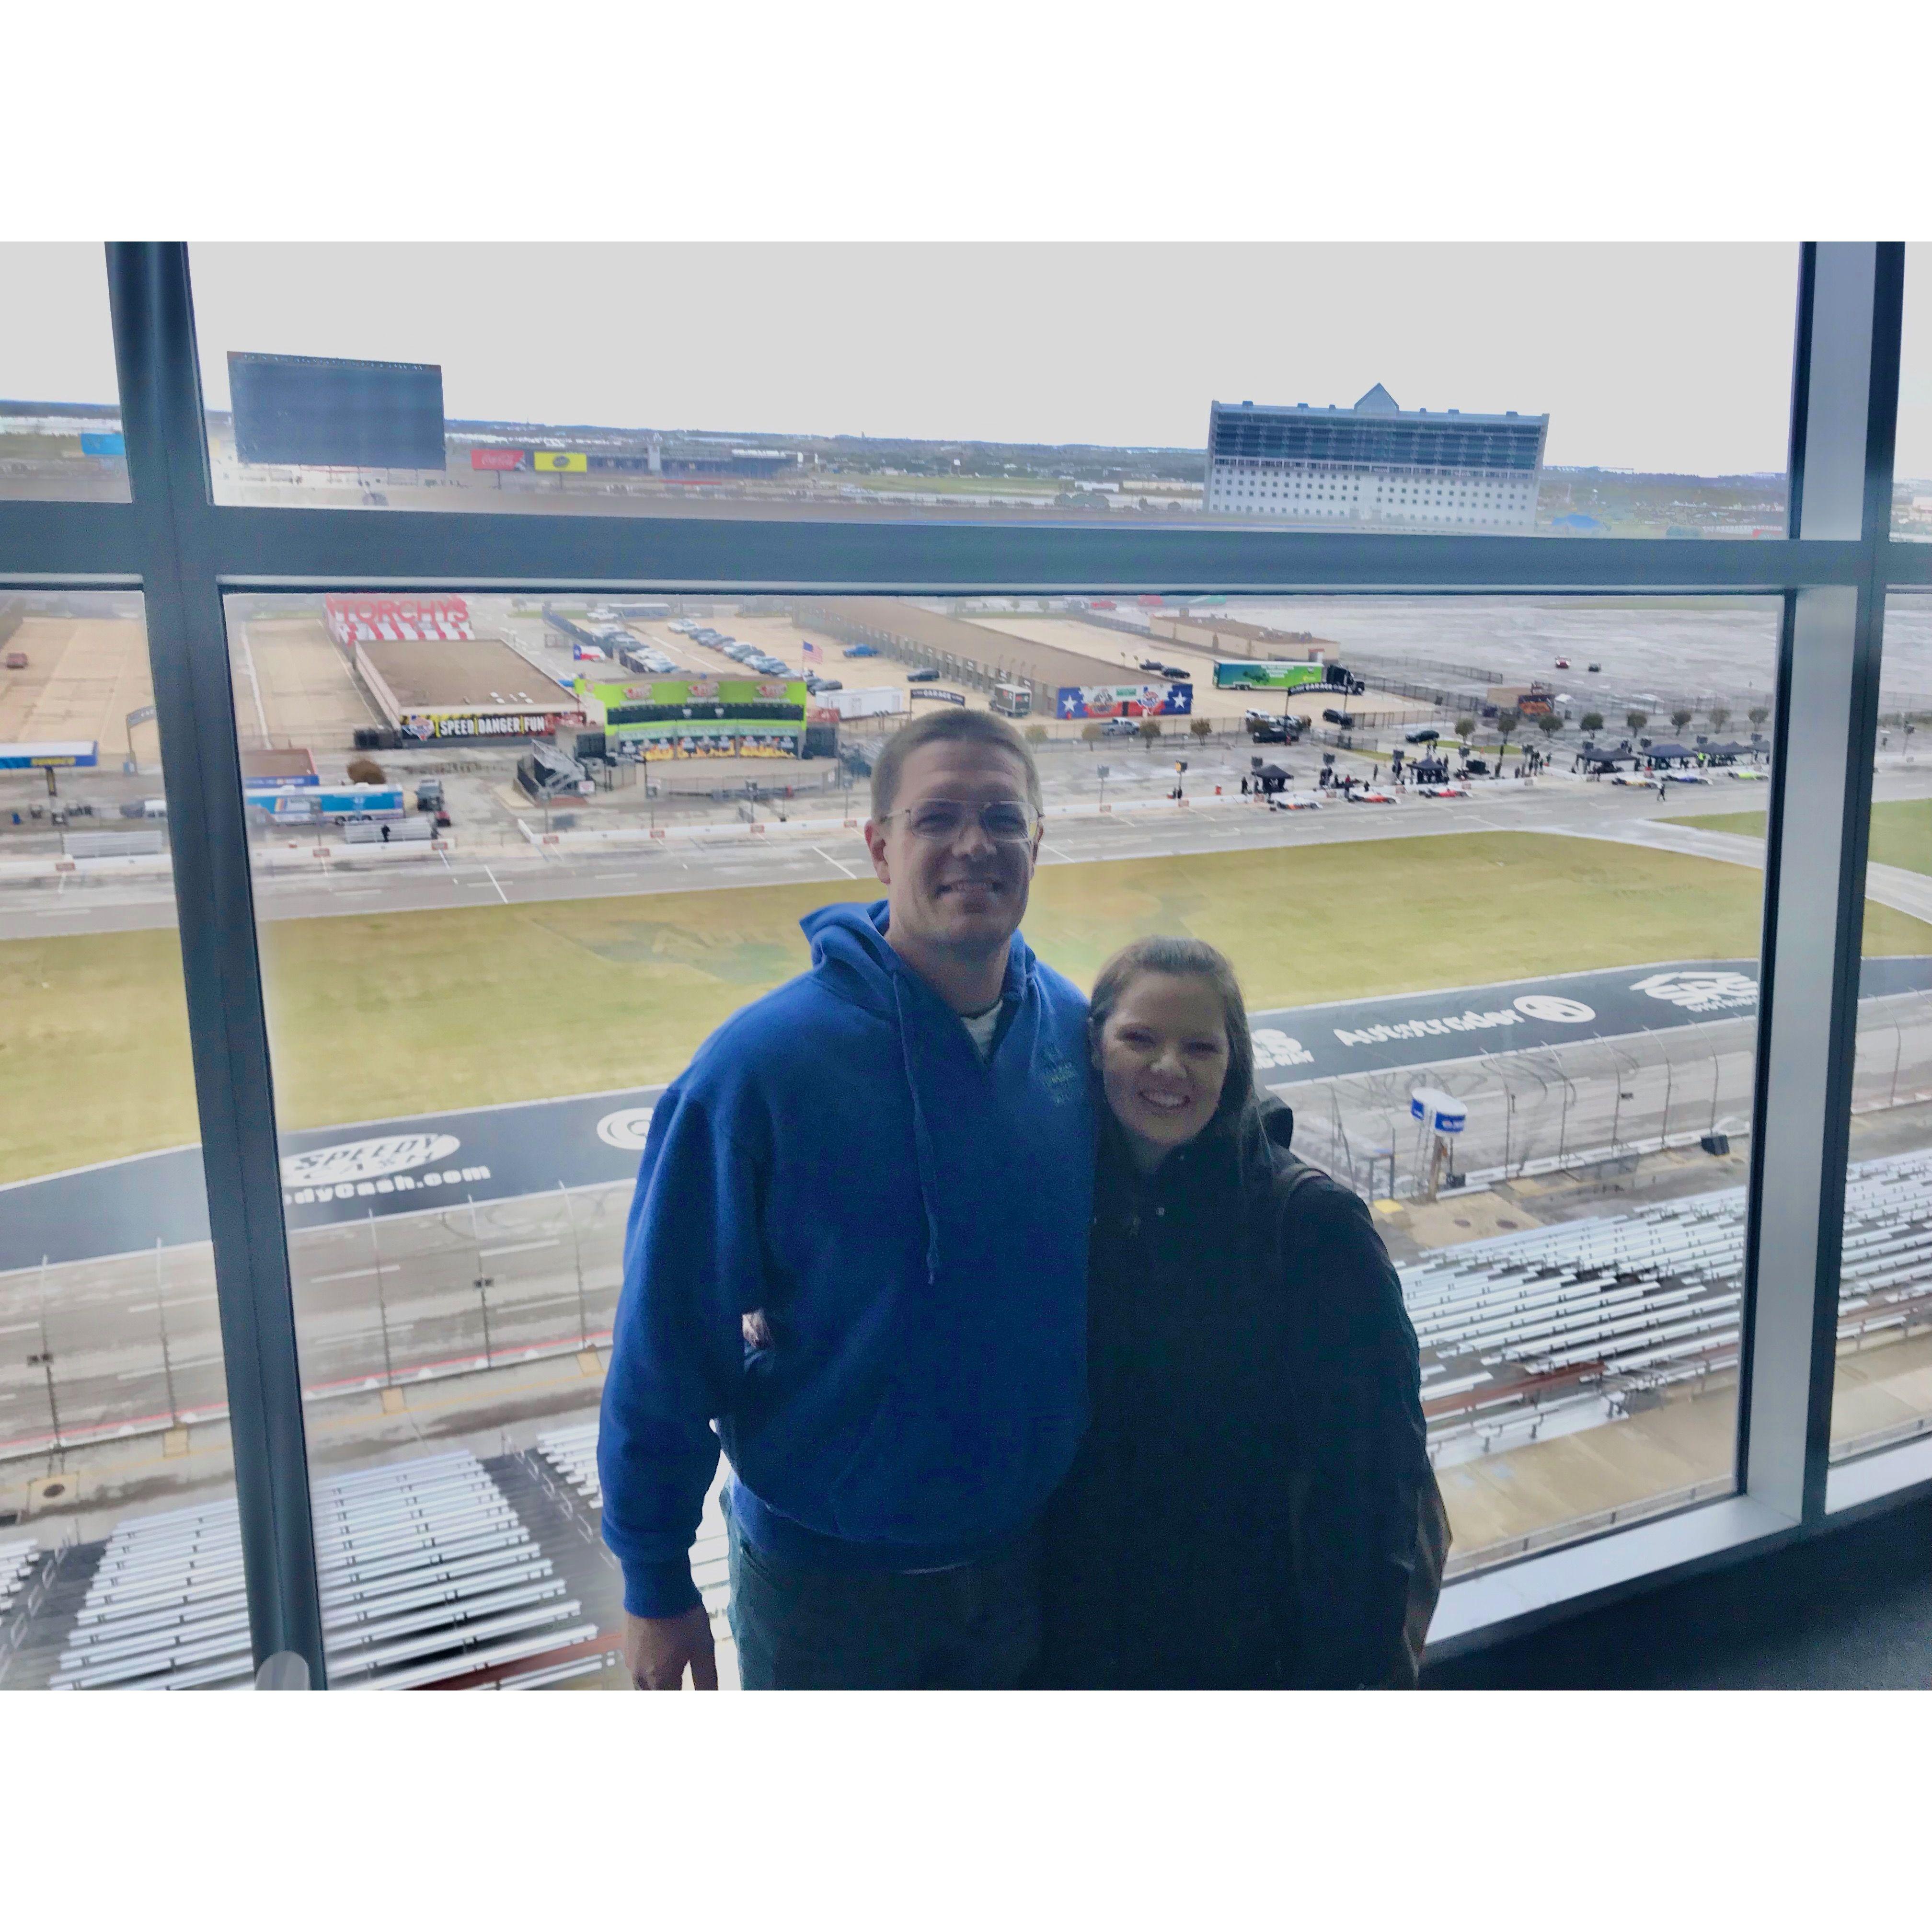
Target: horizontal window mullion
x=69 y=543
x=332 y=549
x=1906 y=566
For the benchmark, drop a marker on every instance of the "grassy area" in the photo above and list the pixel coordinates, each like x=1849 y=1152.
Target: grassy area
x=1901 y=832
x=384 y=1014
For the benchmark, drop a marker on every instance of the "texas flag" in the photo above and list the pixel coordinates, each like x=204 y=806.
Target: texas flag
x=811 y=650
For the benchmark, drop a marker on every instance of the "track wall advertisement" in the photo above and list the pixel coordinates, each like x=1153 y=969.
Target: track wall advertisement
x=702 y=718
x=1124 y=700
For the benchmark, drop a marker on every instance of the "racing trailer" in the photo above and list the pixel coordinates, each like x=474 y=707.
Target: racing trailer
x=309 y=805
x=876 y=701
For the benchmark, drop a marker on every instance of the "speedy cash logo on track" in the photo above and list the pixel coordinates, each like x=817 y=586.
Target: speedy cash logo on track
x=386 y=1164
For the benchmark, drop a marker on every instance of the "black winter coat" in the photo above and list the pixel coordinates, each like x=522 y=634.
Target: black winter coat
x=1243 y=1510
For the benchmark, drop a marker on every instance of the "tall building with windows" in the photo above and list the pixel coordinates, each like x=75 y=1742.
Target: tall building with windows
x=1376 y=464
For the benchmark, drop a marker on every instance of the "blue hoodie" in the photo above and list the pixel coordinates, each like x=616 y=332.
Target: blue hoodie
x=913 y=1225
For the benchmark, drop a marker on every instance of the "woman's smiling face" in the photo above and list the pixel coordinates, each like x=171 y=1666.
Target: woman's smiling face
x=1162 y=1056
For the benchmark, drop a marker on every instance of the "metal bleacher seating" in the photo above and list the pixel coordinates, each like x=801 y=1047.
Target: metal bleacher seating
x=572 y=1452
x=427 y=1574
x=1554 y=1327
x=16 y=1560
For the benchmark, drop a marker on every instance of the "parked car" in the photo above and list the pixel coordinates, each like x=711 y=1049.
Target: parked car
x=1174 y=670
x=1119 y=728
x=922 y=677
x=1425 y=734
x=1596 y=666
x=859 y=651
x=1267 y=731
x=1342 y=721
x=1151 y=663
x=16 y=660
x=1562 y=664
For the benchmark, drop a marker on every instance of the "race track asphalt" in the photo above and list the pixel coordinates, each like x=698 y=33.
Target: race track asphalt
x=403 y=1166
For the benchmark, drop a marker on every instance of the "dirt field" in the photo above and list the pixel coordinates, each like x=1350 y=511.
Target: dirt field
x=83 y=676
x=393 y=1013
x=293 y=686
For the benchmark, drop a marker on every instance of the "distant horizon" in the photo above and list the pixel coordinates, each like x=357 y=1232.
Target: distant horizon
x=1657 y=359
x=457 y=425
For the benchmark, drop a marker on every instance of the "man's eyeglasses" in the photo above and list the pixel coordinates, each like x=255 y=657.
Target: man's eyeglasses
x=1005 y=821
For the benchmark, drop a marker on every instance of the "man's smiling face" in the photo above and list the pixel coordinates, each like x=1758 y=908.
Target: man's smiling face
x=963 y=894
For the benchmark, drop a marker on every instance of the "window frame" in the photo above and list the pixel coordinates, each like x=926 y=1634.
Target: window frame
x=1833 y=570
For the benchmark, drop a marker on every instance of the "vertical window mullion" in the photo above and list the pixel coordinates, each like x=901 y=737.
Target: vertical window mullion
x=161 y=411
x=1844 y=399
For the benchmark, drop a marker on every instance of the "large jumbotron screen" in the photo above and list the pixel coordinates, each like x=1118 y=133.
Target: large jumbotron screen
x=336 y=414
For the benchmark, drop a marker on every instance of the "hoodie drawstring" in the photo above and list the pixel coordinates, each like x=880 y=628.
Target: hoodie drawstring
x=922 y=1141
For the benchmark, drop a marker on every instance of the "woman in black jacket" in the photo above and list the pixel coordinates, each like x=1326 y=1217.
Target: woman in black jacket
x=1252 y=1505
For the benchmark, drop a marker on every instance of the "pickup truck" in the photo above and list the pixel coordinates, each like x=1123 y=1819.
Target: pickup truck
x=859 y=651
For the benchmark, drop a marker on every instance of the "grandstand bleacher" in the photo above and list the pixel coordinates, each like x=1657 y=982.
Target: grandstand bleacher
x=572 y=1452
x=427 y=1575
x=16 y=1560
x=1554 y=1328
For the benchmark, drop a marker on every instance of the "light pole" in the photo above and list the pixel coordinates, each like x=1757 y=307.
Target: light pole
x=161 y=1316
x=576 y=1247
x=481 y=1282
x=382 y=1303
x=44 y=1360
x=1103 y=770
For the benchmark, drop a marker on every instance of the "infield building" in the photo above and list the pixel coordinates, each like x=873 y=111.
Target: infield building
x=1375 y=464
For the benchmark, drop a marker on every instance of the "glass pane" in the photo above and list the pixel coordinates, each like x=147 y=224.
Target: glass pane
x=1883 y=1390
x=60 y=403
x=118 y=1556
x=1912 y=467
x=492 y=933
x=1476 y=389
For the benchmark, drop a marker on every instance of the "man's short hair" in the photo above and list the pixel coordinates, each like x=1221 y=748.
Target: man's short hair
x=955 y=724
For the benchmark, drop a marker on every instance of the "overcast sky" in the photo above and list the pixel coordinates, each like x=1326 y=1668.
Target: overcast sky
x=1672 y=356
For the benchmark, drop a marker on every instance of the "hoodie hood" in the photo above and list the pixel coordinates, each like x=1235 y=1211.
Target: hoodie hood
x=851 y=957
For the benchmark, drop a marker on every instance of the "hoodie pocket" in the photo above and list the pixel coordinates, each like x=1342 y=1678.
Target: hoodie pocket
x=922 y=1476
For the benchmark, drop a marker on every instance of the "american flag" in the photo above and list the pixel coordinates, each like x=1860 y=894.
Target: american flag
x=811 y=650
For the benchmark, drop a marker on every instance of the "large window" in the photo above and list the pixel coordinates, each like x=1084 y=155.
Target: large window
x=1883 y=1392
x=1457 y=391
x=1493 y=829
x=119 y=1550
x=60 y=409
x=515 y=857
x=1912 y=469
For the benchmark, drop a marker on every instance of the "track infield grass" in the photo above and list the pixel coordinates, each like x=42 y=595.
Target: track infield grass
x=378 y=1016
x=1901 y=834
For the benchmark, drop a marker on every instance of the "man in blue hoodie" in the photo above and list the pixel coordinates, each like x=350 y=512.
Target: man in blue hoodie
x=859 y=1247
